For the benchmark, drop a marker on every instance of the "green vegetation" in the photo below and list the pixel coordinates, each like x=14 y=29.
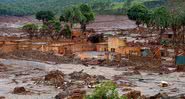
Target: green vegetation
x=107 y=7
x=30 y=7
x=86 y=17
x=106 y=90
x=45 y=15
x=82 y=14
x=138 y=13
x=160 y=18
x=31 y=29
x=55 y=29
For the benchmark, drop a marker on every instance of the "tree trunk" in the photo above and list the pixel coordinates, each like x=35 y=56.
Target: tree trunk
x=183 y=30
x=161 y=33
x=31 y=35
x=174 y=35
x=83 y=27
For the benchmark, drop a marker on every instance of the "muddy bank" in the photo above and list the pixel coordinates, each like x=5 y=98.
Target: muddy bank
x=15 y=22
x=101 y=22
x=111 y=22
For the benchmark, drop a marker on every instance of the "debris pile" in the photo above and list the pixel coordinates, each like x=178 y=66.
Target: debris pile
x=90 y=80
x=84 y=76
x=74 y=94
x=134 y=95
x=55 y=78
x=19 y=90
x=2 y=97
x=79 y=75
x=77 y=94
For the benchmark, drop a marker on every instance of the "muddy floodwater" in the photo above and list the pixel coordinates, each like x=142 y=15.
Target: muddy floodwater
x=21 y=72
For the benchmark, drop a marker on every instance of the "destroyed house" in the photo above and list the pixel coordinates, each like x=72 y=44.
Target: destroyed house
x=168 y=35
x=114 y=43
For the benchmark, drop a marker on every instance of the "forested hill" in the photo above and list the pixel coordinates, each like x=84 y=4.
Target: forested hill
x=30 y=7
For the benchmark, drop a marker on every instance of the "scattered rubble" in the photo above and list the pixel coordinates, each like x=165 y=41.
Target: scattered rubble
x=160 y=96
x=130 y=73
x=164 y=84
x=37 y=56
x=62 y=95
x=77 y=94
x=3 y=68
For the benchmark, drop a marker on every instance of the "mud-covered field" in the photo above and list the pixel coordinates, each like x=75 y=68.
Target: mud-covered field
x=28 y=74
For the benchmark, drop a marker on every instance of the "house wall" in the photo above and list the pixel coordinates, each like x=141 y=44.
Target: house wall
x=129 y=50
x=82 y=47
x=91 y=55
x=115 y=43
x=8 y=48
x=102 y=47
x=76 y=33
x=167 y=36
x=56 y=47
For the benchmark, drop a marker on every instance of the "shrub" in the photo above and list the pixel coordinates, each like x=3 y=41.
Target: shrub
x=106 y=90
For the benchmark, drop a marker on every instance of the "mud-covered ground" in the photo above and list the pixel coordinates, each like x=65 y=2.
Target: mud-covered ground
x=14 y=22
x=11 y=25
x=22 y=73
x=109 y=22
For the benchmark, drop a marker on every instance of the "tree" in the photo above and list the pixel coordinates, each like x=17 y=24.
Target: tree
x=45 y=16
x=87 y=16
x=54 y=29
x=161 y=19
x=183 y=25
x=44 y=31
x=67 y=33
x=82 y=14
x=71 y=16
x=139 y=13
x=175 y=24
x=31 y=29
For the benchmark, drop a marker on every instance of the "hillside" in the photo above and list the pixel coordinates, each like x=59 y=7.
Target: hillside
x=29 y=7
